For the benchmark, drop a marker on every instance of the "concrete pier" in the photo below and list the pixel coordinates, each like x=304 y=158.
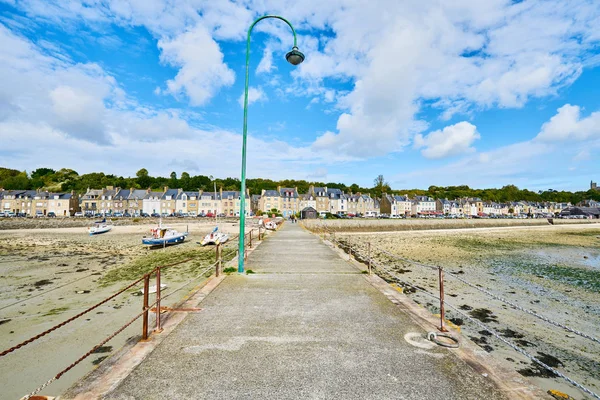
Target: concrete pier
x=306 y=324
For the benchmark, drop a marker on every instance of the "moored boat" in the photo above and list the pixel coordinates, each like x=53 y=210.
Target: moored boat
x=215 y=237
x=99 y=227
x=163 y=236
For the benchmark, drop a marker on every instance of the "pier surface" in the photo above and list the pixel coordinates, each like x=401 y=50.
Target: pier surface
x=307 y=324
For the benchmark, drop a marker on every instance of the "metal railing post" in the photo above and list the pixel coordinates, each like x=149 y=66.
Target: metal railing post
x=369 y=255
x=250 y=241
x=145 y=307
x=442 y=308
x=158 y=326
x=217 y=260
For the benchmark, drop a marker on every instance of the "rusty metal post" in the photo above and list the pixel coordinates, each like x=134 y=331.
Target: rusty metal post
x=250 y=241
x=349 y=252
x=145 y=307
x=369 y=256
x=158 y=326
x=218 y=260
x=442 y=308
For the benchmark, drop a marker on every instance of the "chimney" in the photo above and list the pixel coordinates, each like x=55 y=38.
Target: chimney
x=109 y=187
x=278 y=189
x=262 y=192
x=165 y=189
x=248 y=192
x=311 y=190
x=220 y=192
x=200 y=191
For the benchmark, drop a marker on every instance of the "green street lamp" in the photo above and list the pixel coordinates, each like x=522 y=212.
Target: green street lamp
x=294 y=57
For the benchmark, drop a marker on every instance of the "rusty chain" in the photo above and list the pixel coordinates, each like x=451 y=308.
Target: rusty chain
x=55 y=327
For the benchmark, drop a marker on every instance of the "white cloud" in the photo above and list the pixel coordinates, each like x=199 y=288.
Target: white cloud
x=202 y=72
x=78 y=113
x=266 y=62
x=255 y=94
x=450 y=141
x=568 y=124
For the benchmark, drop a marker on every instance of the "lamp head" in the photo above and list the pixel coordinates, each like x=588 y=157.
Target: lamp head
x=294 y=57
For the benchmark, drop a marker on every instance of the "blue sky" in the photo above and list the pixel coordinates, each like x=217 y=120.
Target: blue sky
x=477 y=93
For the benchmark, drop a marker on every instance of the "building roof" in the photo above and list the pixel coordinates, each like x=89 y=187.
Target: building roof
x=150 y=195
x=288 y=192
x=271 y=193
x=123 y=194
x=170 y=192
x=136 y=194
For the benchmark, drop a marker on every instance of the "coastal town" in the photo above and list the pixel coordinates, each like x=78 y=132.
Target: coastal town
x=318 y=202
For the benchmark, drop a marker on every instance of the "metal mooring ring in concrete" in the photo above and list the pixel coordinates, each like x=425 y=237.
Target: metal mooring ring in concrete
x=418 y=340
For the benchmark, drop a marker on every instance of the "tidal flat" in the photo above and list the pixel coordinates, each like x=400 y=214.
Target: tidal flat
x=50 y=275
x=552 y=271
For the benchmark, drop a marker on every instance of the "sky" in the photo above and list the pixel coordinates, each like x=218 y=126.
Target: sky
x=467 y=92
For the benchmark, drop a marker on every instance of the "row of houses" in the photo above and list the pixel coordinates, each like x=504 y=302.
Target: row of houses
x=36 y=202
x=287 y=201
x=468 y=207
x=322 y=199
x=168 y=201
x=117 y=200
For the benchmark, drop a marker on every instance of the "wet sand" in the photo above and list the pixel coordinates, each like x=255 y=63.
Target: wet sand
x=551 y=270
x=49 y=275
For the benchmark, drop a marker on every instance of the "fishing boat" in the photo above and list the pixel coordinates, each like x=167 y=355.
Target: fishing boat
x=99 y=227
x=215 y=237
x=162 y=236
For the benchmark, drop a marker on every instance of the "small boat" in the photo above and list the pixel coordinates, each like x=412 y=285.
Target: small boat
x=99 y=227
x=215 y=237
x=152 y=289
x=271 y=225
x=163 y=236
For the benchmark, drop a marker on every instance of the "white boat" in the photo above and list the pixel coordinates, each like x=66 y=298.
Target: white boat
x=152 y=289
x=271 y=225
x=99 y=227
x=215 y=237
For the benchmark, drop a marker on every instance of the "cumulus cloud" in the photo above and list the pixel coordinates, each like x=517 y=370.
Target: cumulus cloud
x=568 y=124
x=202 y=71
x=255 y=94
x=266 y=62
x=451 y=141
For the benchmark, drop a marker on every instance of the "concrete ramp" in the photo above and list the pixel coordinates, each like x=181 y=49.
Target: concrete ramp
x=306 y=325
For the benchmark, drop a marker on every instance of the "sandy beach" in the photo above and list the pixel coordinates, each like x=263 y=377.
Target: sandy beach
x=49 y=275
x=551 y=270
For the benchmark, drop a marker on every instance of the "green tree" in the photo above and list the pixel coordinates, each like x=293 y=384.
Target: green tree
x=143 y=179
x=380 y=186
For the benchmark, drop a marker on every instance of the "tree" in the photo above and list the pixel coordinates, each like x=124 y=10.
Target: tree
x=143 y=180
x=173 y=182
x=38 y=173
x=381 y=186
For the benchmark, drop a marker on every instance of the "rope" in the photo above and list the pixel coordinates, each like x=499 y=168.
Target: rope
x=55 y=327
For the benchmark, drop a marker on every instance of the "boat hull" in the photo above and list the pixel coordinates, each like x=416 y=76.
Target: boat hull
x=159 y=242
x=99 y=231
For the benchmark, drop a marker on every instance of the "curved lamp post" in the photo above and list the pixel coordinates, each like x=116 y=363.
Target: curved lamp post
x=294 y=57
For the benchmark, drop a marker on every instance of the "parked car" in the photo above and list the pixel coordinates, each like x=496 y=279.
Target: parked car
x=144 y=215
x=208 y=215
x=39 y=214
x=78 y=214
x=155 y=215
x=51 y=214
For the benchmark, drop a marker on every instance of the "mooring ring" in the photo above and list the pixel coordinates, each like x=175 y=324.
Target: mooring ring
x=433 y=336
